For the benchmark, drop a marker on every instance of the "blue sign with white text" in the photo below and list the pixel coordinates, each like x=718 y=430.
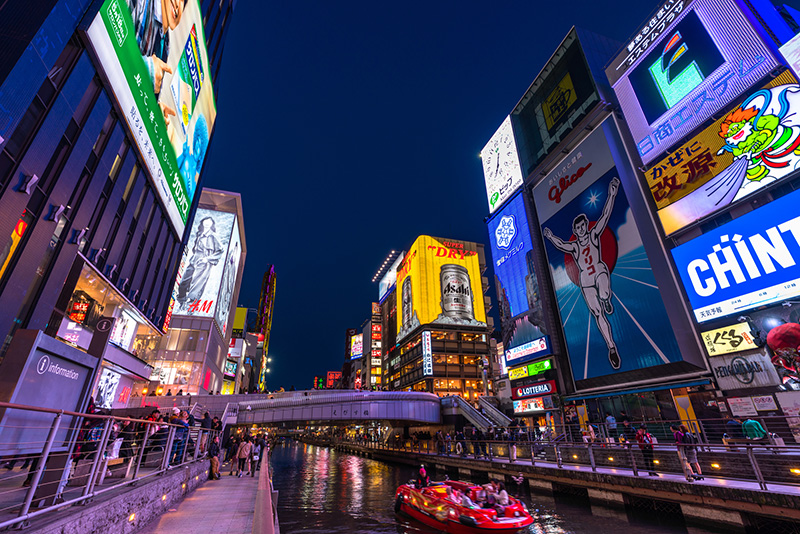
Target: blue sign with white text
x=749 y=262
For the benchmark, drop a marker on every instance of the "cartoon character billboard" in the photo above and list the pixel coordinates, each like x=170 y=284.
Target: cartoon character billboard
x=157 y=65
x=439 y=281
x=610 y=305
x=749 y=147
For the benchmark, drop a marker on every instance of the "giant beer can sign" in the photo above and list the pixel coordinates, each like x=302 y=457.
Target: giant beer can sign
x=456 y=293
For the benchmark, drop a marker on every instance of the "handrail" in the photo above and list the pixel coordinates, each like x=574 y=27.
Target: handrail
x=466 y=409
x=493 y=413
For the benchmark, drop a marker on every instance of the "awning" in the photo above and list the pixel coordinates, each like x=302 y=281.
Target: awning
x=578 y=396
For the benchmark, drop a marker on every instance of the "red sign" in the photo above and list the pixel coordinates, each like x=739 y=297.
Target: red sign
x=534 y=390
x=333 y=376
x=376 y=328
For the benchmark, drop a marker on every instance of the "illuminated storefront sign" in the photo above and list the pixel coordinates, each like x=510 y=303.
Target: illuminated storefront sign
x=163 y=86
x=332 y=378
x=439 y=282
x=599 y=266
x=501 y=165
x=533 y=369
x=748 y=262
x=733 y=338
x=710 y=171
x=527 y=351
x=704 y=54
x=427 y=354
x=356 y=346
x=533 y=390
x=536 y=404
x=519 y=372
x=230 y=368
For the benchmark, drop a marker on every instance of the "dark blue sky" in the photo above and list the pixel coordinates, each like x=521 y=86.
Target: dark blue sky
x=350 y=128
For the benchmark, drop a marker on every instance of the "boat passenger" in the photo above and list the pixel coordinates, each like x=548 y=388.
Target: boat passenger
x=502 y=499
x=424 y=479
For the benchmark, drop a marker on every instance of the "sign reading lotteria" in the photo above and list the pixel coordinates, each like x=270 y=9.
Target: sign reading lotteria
x=749 y=262
x=537 y=347
x=704 y=54
x=501 y=168
x=611 y=308
x=534 y=390
x=161 y=77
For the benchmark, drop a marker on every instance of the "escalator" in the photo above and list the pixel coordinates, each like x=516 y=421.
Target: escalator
x=461 y=407
x=497 y=417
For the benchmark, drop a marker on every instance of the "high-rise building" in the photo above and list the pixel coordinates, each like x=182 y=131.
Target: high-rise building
x=96 y=187
x=266 y=308
x=192 y=357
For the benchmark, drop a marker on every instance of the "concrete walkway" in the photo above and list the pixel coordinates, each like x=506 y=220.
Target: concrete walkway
x=224 y=506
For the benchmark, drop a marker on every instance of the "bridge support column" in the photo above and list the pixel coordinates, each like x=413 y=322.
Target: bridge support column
x=713 y=516
x=606 y=498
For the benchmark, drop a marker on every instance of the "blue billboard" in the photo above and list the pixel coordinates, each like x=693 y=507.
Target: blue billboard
x=611 y=309
x=749 y=262
x=521 y=315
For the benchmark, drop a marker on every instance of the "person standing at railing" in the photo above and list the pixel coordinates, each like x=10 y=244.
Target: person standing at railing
x=645 y=441
x=752 y=429
x=205 y=427
x=611 y=426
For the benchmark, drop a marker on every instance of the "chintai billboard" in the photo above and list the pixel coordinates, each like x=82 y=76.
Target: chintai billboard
x=613 y=316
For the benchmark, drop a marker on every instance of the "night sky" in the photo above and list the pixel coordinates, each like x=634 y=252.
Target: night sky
x=350 y=128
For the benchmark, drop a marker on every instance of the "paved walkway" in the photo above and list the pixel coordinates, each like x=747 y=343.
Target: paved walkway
x=224 y=506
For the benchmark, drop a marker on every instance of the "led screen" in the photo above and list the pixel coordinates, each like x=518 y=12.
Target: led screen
x=611 y=309
x=200 y=274
x=107 y=389
x=389 y=279
x=521 y=314
x=230 y=368
x=704 y=54
x=749 y=262
x=356 y=346
x=749 y=147
x=229 y=274
x=162 y=82
x=501 y=165
x=439 y=281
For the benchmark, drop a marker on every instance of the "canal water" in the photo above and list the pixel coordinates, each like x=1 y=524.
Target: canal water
x=326 y=491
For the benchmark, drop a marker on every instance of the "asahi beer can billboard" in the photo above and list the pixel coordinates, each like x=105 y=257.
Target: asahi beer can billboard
x=440 y=283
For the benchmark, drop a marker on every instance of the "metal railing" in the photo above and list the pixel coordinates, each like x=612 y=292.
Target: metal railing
x=762 y=462
x=70 y=458
x=493 y=413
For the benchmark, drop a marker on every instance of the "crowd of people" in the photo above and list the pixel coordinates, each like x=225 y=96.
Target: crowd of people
x=245 y=453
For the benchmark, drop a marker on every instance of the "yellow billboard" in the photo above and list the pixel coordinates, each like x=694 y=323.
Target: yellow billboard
x=733 y=338
x=439 y=282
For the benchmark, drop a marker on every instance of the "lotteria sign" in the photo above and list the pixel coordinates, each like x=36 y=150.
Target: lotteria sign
x=534 y=390
x=705 y=53
x=748 y=262
x=537 y=347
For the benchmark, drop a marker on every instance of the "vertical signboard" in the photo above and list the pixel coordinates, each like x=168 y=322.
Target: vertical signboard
x=519 y=301
x=356 y=346
x=156 y=62
x=427 y=354
x=611 y=309
x=439 y=282
x=689 y=62
x=501 y=165
x=229 y=274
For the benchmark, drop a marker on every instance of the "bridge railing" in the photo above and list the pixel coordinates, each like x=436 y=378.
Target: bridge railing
x=757 y=461
x=53 y=458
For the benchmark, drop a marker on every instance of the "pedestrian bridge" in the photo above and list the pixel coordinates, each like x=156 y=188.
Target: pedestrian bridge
x=340 y=405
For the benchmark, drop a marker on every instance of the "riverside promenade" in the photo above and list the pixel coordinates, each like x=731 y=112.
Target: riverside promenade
x=230 y=505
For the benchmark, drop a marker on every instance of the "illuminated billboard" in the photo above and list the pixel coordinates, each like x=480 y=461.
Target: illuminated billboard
x=610 y=305
x=439 y=281
x=691 y=60
x=501 y=165
x=749 y=262
x=535 y=404
x=229 y=274
x=733 y=338
x=332 y=378
x=356 y=346
x=389 y=279
x=519 y=301
x=235 y=348
x=749 y=147
x=200 y=274
x=533 y=390
x=157 y=66
x=230 y=368
x=528 y=351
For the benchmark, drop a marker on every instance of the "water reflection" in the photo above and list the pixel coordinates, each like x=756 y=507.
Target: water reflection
x=326 y=491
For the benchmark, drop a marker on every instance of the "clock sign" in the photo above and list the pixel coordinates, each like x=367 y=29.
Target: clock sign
x=501 y=169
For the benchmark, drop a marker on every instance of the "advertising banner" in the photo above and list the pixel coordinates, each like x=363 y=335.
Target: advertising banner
x=389 y=279
x=688 y=63
x=229 y=274
x=521 y=314
x=235 y=348
x=230 y=368
x=749 y=147
x=790 y=404
x=534 y=390
x=107 y=389
x=332 y=378
x=733 y=338
x=158 y=68
x=536 y=404
x=611 y=309
x=746 y=263
x=528 y=351
x=519 y=372
x=740 y=371
x=439 y=282
x=239 y=320
x=356 y=346
x=200 y=275
x=501 y=165
x=764 y=403
x=427 y=354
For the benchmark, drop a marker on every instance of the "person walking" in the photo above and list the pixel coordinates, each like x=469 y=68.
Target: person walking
x=690 y=441
x=243 y=455
x=255 y=458
x=213 y=454
x=645 y=441
x=205 y=427
x=752 y=429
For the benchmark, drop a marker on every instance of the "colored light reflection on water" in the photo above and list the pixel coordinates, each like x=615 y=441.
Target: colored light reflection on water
x=327 y=491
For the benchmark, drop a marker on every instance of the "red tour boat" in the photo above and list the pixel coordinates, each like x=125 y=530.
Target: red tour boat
x=432 y=506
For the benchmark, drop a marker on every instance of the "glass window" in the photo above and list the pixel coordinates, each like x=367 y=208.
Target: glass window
x=453 y=359
x=470 y=359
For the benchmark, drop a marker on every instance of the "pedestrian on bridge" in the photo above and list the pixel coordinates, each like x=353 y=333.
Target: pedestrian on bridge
x=645 y=440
